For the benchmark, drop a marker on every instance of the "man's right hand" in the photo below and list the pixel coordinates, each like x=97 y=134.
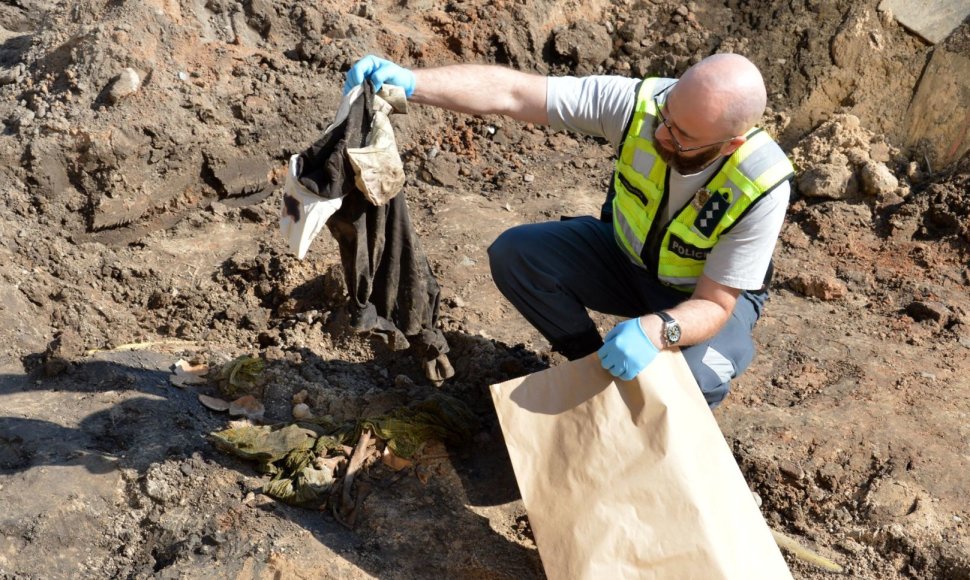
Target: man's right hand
x=379 y=71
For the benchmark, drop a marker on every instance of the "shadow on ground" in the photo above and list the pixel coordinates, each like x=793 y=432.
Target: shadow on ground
x=112 y=448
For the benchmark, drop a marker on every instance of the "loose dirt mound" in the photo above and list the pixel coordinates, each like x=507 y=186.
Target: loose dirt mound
x=143 y=147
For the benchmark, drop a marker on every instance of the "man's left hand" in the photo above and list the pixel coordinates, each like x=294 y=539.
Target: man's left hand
x=626 y=350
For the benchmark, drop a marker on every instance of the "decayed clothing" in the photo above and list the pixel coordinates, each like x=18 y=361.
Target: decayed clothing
x=393 y=292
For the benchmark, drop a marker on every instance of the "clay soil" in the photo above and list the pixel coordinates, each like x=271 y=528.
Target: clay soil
x=149 y=214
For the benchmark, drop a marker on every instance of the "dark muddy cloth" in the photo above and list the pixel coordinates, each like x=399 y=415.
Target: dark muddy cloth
x=393 y=292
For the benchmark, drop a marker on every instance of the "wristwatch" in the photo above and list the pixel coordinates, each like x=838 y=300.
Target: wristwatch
x=670 y=333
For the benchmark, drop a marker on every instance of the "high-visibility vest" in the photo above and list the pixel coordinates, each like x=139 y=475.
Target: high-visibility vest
x=678 y=250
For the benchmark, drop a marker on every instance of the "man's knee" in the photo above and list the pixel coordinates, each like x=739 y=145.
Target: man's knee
x=505 y=254
x=714 y=371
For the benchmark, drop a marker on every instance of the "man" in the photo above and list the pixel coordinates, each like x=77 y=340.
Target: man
x=684 y=245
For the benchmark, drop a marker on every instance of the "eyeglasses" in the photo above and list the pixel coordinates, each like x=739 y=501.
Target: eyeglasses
x=673 y=137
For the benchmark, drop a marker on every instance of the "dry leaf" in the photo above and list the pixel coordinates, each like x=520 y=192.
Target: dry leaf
x=214 y=403
x=188 y=374
x=247 y=406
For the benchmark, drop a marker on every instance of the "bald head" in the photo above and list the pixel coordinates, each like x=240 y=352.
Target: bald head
x=726 y=90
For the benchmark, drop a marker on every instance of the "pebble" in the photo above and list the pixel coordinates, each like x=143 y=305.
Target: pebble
x=791 y=470
x=528 y=178
x=9 y=76
x=125 y=84
x=301 y=411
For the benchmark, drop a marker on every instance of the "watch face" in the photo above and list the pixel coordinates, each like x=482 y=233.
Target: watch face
x=673 y=333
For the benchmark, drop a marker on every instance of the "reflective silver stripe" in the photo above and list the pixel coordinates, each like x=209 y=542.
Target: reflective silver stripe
x=760 y=160
x=646 y=130
x=678 y=281
x=643 y=162
x=720 y=364
x=628 y=232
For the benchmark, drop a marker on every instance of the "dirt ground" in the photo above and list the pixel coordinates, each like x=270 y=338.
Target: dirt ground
x=142 y=152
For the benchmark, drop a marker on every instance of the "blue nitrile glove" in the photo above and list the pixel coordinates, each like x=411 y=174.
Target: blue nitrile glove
x=379 y=71
x=626 y=350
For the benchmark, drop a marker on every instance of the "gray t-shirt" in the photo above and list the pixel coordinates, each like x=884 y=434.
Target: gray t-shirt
x=601 y=106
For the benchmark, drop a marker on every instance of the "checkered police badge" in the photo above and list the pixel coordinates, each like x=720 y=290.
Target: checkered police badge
x=709 y=215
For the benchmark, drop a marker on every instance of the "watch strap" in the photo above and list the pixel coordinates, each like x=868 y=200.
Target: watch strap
x=668 y=321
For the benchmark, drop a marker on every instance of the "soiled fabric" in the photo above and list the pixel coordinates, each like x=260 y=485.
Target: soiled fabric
x=393 y=292
x=304 y=458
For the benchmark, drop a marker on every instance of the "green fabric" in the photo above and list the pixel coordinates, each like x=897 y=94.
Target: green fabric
x=289 y=451
x=263 y=443
x=240 y=375
x=439 y=417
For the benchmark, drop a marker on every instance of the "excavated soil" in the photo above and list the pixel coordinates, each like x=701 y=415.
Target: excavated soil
x=143 y=147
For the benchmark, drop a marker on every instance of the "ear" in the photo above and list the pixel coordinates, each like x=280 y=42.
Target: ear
x=732 y=145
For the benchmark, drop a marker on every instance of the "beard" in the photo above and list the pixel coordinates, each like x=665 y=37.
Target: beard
x=683 y=164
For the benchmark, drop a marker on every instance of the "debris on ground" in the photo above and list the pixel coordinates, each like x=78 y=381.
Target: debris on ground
x=315 y=464
x=186 y=373
x=241 y=376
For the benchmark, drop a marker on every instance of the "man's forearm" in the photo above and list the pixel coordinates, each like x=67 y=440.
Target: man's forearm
x=700 y=317
x=483 y=90
x=699 y=321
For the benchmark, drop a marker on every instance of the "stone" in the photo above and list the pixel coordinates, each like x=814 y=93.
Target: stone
x=791 y=470
x=833 y=180
x=921 y=311
x=816 y=286
x=877 y=179
x=125 y=84
x=235 y=176
x=302 y=411
x=586 y=44
x=9 y=76
x=933 y=20
x=441 y=170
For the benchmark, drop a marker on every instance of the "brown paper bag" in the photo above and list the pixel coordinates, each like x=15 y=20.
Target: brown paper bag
x=631 y=479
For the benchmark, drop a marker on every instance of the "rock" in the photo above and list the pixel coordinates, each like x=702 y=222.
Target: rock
x=831 y=476
x=877 y=179
x=158 y=487
x=890 y=499
x=920 y=311
x=235 y=176
x=8 y=76
x=441 y=170
x=301 y=411
x=790 y=469
x=821 y=287
x=586 y=44
x=125 y=84
x=832 y=180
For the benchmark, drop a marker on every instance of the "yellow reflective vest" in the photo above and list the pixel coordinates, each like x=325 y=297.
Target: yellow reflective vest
x=677 y=250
